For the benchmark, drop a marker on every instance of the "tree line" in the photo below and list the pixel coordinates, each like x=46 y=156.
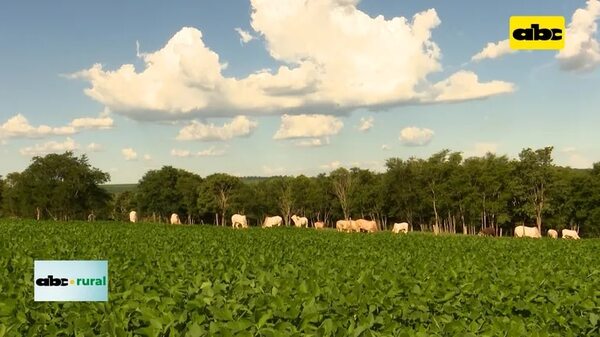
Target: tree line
x=445 y=192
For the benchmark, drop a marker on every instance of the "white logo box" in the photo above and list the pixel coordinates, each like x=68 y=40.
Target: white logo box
x=70 y=280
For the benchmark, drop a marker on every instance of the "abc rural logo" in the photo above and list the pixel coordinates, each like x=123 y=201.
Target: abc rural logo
x=537 y=32
x=52 y=281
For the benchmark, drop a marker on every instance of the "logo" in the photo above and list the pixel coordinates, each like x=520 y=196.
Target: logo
x=71 y=280
x=537 y=32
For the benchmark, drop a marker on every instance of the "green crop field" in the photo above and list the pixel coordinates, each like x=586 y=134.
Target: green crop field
x=209 y=281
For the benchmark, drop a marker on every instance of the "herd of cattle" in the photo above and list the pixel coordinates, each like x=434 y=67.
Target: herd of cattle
x=370 y=226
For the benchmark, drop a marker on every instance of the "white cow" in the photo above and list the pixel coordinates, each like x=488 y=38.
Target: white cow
x=175 y=219
x=238 y=220
x=366 y=225
x=319 y=225
x=133 y=216
x=272 y=221
x=553 y=233
x=570 y=234
x=400 y=227
x=300 y=221
x=347 y=226
x=524 y=231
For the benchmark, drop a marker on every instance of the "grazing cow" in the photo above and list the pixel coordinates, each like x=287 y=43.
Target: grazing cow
x=133 y=216
x=489 y=231
x=553 y=233
x=347 y=226
x=319 y=225
x=272 y=221
x=367 y=225
x=401 y=227
x=530 y=232
x=175 y=219
x=300 y=221
x=570 y=234
x=238 y=220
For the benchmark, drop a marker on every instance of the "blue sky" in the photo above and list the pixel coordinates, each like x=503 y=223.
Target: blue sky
x=343 y=68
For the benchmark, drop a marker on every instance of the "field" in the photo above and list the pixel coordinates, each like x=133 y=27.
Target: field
x=208 y=281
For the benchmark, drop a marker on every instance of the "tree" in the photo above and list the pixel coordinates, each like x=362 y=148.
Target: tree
x=535 y=172
x=342 y=186
x=1 y=193
x=57 y=186
x=215 y=193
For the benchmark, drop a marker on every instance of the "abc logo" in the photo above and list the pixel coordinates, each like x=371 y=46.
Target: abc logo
x=537 y=32
x=50 y=281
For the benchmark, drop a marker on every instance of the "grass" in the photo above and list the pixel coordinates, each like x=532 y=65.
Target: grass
x=209 y=281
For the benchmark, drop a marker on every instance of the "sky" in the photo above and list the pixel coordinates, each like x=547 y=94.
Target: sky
x=288 y=87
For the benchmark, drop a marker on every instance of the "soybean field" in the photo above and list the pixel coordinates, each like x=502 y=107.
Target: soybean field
x=213 y=281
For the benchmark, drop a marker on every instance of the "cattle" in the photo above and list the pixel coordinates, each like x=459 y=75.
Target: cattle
x=366 y=225
x=347 y=226
x=570 y=234
x=319 y=225
x=272 y=221
x=530 y=232
x=553 y=233
x=238 y=220
x=401 y=227
x=133 y=216
x=300 y=221
x=175 y=219
x=489 y=231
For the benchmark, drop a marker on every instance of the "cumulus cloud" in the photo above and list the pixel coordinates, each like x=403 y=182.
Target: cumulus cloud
x=494 y=50
x=19 y=127
x=582 y=51
x=332 y=165
x=308 y=126
x=365 y=124
x=240 y=126
x=147 y=157
x=313 y=142
x=210 y=152
x=50 y=147
x=94 y=147
x=92 y=123
x=129 y=154
x=333 y=57
x=385 y=147
x=414 y=136
x=481 y=149
x=574 y=158
x=465 y=85
x=245 y=36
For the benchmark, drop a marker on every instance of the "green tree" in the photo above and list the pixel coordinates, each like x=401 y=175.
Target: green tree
x=215 y=195
x=342 y=183
x=535 y=172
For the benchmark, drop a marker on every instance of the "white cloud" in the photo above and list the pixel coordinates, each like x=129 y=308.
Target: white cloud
x=18 y=127
x=481 y=149
x=92 y=123
x=240 y=126
x=385 y=147
x=332 y=165
x=94 y=147
x=576 y=159
x=271 y=171
x=582 y=50
x=147 y=157
x=414 y=136
x=465 y=85
x=308 y=126
x=50 y=147
x=313 y=142
x=365 y=124
x=129 y=154
x=180 y=153
x=494 y=50
x=333 y=56
x=210 y=152
x=245 y=36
